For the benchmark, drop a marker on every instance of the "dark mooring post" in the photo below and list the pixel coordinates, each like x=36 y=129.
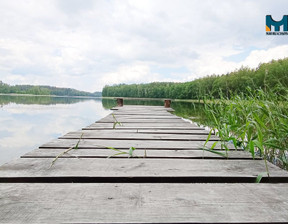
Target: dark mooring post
x=119 y=102
x=167 y=103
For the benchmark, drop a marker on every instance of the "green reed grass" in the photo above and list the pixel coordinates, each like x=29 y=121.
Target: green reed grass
x=130 y=153
x=116 y=122
x=66 y=151
x=256 y=122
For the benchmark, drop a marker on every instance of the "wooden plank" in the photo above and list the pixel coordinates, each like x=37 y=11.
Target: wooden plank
x=149 y=116
x=136 y=136
x=149 y=125
x=130 y=107
x=197 y=131
x=194 y=131
x=138 y=170
x=145 y=113
x=131 y=113
x=142 y=111
x=151 y=109
x=139 y=127
x=142 y=107
x=138 y=120
x=139 y=108
x=128 y=120
x=144 y=203
x=162 y=153
x=120 y=144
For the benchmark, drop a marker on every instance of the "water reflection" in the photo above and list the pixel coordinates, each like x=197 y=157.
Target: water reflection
x=42 y=100
x=190 y=110
x=28 y=122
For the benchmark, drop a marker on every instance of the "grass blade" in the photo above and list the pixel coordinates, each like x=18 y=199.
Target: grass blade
x=259 y=177
x=215 y=152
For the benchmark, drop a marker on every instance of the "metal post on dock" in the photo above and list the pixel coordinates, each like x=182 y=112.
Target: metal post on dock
x=119 y=102
x=167 y=103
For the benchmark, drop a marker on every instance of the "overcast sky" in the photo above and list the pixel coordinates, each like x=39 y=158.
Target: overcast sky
x=86 y=44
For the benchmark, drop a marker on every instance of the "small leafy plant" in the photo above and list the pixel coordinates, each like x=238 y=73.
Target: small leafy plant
x=130 y=152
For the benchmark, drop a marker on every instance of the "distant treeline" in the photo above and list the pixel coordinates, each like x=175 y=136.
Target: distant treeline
x=268 y=75
x=40 y=100
x=44 y=90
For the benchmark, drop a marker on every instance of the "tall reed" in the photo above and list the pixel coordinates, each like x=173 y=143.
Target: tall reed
x=256 y=122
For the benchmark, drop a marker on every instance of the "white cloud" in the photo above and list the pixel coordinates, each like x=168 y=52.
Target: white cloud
x=87 y=44
x=262 y=56
x=209 y=64
x=130 y=74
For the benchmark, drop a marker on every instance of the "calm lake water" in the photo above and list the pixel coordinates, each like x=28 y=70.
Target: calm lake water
x=26 y=122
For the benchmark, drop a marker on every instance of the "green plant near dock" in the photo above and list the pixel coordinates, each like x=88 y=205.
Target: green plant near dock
x=116 y=122
x=66 y=151
x=257 y=122
x=130 y=153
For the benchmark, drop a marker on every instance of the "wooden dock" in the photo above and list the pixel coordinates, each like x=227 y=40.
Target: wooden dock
x=172 y=180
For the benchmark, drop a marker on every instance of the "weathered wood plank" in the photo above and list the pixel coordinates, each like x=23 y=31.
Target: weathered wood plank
x=197 y=131
x=136 y=136
x=141 y=111
x=149 y=125
x=162 y=153
x=142 y=107
x=130 y=107
x=151 y=116
x=143 y=127
x=164 y=114
x=148 y=112
x=133 y=120
x=144 y=203
x=126 y=144
x=194 y=131
x=189 y=170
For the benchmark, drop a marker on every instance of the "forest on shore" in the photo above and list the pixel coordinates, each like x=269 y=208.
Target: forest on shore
x=44 y=90
x=267 y=75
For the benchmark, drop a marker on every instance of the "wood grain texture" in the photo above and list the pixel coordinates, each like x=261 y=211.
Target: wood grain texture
x=144 y=203
x=161 y=153
x=160 y=116
x=136 y=136
x=126 y=144
x=142 y=108
x=182 y=125
x=139 y=113
x=200 y=131
x=190 y=170
x=149 y=116
x=139 y=120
